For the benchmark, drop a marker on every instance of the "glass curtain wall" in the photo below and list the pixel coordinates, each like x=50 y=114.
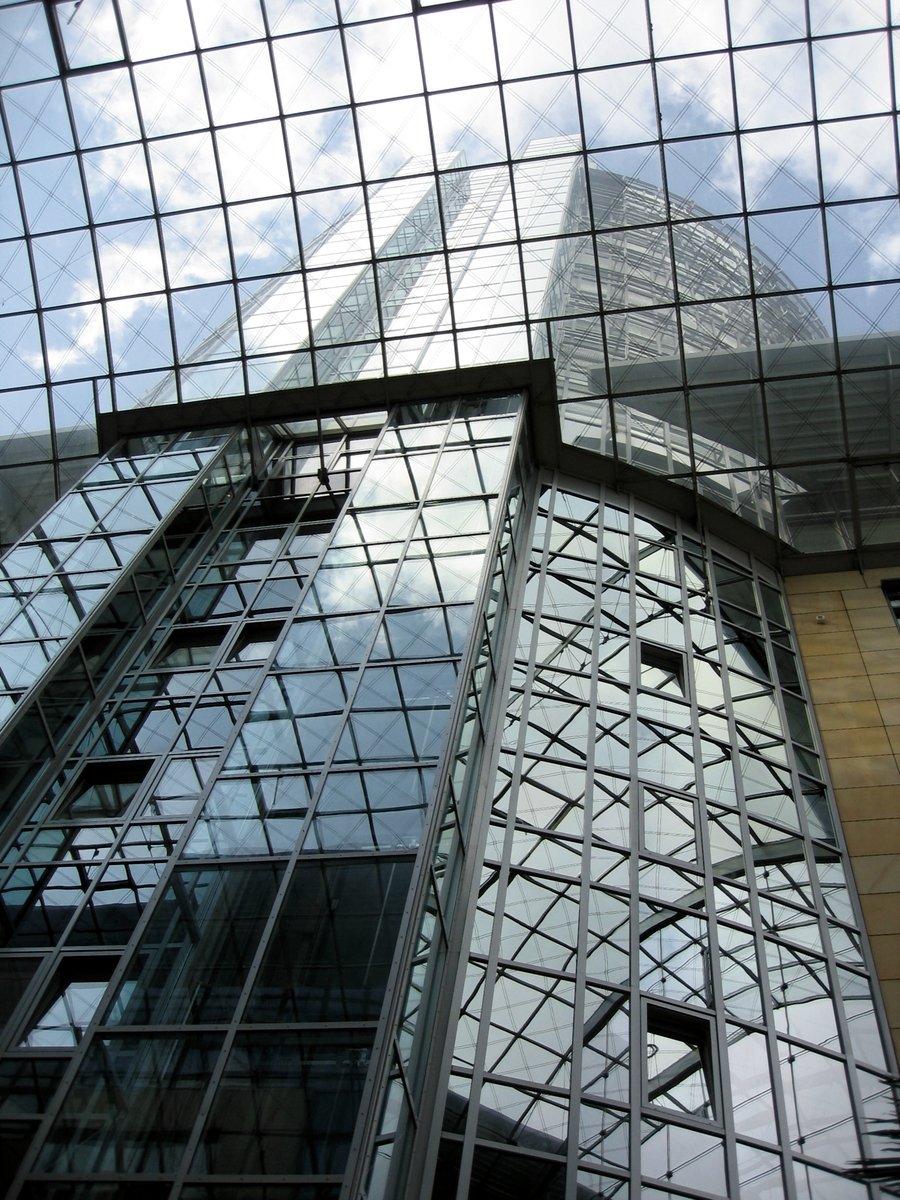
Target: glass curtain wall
x=200 y=916
x=437 y=826
x=664 y=990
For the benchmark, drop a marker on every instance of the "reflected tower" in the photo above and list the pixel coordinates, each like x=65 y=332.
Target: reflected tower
x=396 y=803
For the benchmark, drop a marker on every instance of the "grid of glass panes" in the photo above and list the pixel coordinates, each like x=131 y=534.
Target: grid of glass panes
x=56 y=575
x=195 y=473
x=82 y=868
x=425 y=966
x=665 y=988
x=170 y=171
x=356 y=629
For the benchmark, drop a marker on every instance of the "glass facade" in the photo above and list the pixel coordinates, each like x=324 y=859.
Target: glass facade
x=662 y=975
x=439 y=825
x=408 y=780
x=216 y=861
x=205 y=200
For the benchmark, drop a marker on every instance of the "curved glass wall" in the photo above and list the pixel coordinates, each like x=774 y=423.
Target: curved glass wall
x=663 y=991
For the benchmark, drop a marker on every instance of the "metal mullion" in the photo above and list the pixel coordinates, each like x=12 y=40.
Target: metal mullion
x=564 y=73
x=810 y=206
x=677 y=139
x=445 y=250
x=209 y=1092
x=418 y=6
x=211 y=130
x=527 y=1087
x=724 y=1113
x=813 y=125
x=585 y=160
x=478 y=1072
x=120 y=29
x=128 y=63
x=670 y=242
x=510 y=159
x=745 y=221
x=370 y=824
x=637 y=1030
x=767 y=1017
x=405 y=710
x=395 y=257
x=76 y=1179
x=145 y=143
x=354 y=106
x=304 y=1026
x=304 y=278
x=176 y=882
x=799 y=40
x=284 y=114
x=255 y=40
x=892 y=69
x=210 y=860
x=580 y=1005
x=477 y=327
x=425 y=1152
x=257 y=1180
x=27 y=239
x=529 y=969
x=374 y=179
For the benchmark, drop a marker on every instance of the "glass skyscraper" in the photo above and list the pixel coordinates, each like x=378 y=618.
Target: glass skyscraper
x=421 y=722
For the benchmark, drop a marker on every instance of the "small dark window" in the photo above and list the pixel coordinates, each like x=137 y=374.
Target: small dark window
x=105 y=789
x=891 y=589
x=678 y=1058
x=190 y=647
x=69 y=1004
x=256 y=641
x=662 y=669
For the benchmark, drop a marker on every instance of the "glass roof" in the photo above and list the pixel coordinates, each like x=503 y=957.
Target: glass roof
x=693 y=204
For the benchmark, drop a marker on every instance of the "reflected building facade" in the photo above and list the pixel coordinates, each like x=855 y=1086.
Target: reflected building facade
x=399 y=805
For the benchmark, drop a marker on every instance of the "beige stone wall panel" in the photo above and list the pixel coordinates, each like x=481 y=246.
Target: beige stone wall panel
x=850 y=646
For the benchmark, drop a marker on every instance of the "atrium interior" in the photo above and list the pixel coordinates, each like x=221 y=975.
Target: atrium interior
x=449 y=676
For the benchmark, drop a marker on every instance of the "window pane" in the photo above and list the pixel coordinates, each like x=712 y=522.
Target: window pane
x=286 y=1104
x=132 y=1105
x=333 y=943
x=196 y=951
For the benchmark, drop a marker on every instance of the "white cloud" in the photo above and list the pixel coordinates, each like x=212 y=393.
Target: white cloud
x=534 y=38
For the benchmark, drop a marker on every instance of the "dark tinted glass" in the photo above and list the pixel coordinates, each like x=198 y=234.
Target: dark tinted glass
x=132 y=1106
x=332 y=946
x=195 y=953
x=287 y=1103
